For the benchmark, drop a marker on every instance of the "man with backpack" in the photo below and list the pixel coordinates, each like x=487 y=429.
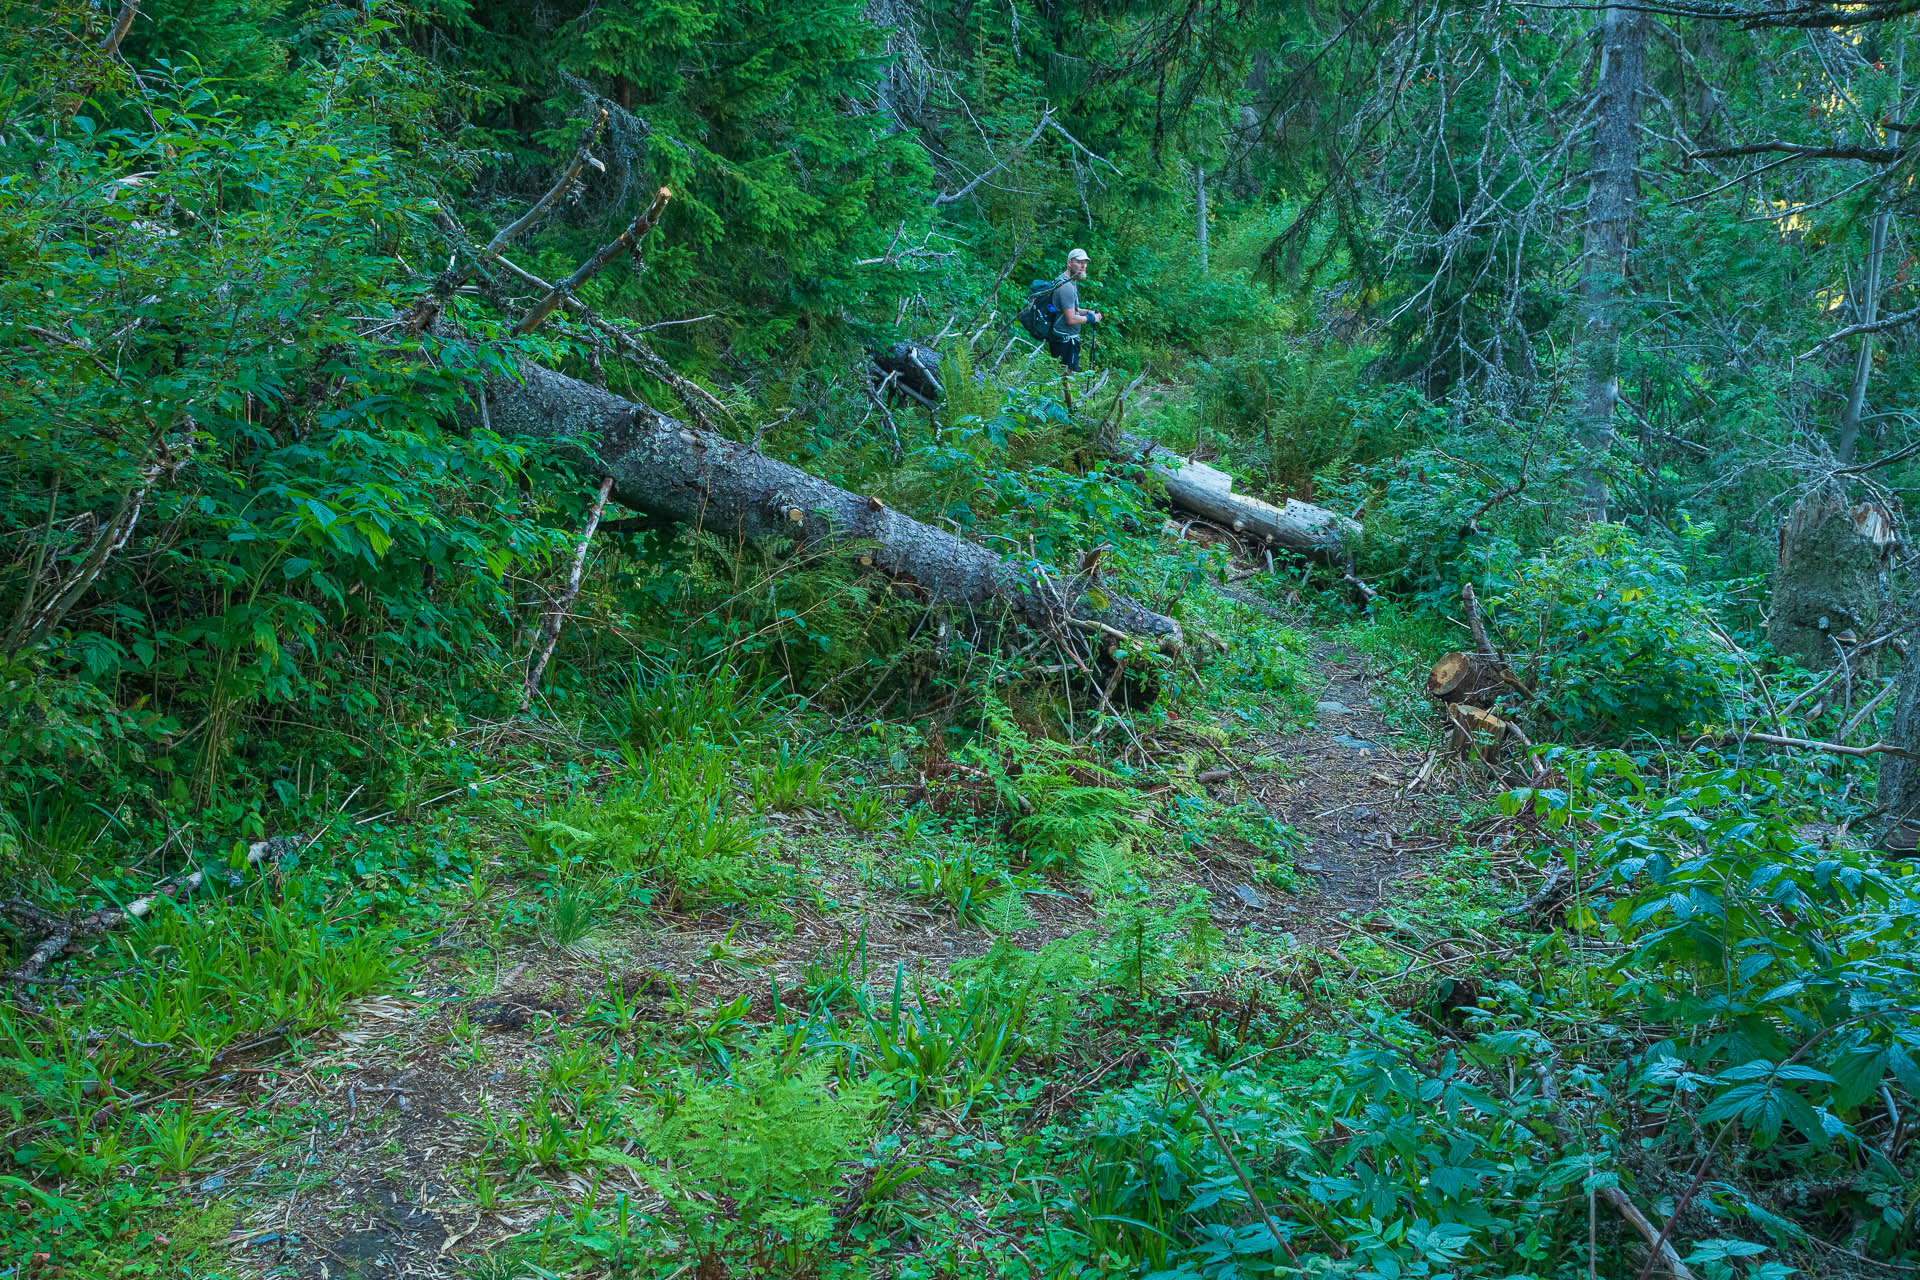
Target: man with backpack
x=1053 y=311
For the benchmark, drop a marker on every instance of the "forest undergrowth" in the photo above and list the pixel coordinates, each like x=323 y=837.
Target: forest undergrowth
x=1253 y=977
x=436 y=845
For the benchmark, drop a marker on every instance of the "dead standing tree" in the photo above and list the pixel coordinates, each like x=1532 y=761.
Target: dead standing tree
x=1612 y=192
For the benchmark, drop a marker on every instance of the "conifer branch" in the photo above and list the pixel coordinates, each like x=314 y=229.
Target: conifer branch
x=1802 y=151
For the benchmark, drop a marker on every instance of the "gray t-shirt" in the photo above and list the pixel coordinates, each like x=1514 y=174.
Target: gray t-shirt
x=1066 y=296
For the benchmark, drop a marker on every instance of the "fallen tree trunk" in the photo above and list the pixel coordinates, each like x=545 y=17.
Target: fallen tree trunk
x=666 y=468
x=1208 y=491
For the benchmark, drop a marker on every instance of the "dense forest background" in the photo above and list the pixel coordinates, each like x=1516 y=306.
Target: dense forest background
x=1607 y=314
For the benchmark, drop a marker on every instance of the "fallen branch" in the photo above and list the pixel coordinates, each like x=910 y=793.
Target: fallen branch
x=695 y=398
x=1657 y=1241
x=895 y=449
x=944 y=198
x=30 y=627
x=1616 y=1199
x=556 y=617
x=646 y=220
x=1814 y=744
x=65 y=934
x=1511 y=490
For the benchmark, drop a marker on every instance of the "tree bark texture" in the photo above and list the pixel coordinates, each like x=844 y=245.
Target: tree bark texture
x=1612 y=192
x=666 y=468
x=1208 y=491
x=1899 y=789
x=1828 y=579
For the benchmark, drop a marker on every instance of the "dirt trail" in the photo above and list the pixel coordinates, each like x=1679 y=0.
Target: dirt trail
x=382 y=1185
x=1352 y=798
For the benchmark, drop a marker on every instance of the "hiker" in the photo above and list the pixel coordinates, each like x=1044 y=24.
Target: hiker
x=1064 y=341
x=1053 y=311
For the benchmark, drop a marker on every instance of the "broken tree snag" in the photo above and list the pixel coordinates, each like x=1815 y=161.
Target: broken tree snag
x=668 y=469
x=1207 y=491
x=1829 y=578
x=910 y=368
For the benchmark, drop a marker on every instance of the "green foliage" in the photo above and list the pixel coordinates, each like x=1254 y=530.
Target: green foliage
x=1789 y=1031
x=962 y=881
x=675 y=823
x=1152 y=944
x=743 y=111
x=1061 y=804
x=1617 y=641
x=660 y=706
x=307 y=532
x=752 y=1157
x=1291 y=405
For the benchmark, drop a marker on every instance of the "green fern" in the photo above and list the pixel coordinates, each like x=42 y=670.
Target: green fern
x=1062 y=805
x=749 y=1163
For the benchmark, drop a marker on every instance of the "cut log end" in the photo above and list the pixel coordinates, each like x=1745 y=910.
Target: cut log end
x=1467 y=678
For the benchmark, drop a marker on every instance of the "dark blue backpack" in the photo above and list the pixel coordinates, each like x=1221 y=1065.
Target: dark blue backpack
x=1038 y=316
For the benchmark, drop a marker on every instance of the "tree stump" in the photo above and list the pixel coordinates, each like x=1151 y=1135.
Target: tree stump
x=1829 y=578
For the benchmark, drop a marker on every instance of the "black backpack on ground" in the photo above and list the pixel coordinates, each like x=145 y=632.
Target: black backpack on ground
x=1038 y=316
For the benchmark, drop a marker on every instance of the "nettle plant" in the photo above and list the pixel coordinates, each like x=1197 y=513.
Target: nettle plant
x=1774 y=984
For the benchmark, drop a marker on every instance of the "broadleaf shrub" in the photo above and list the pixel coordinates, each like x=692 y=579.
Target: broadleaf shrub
x=1614 y=639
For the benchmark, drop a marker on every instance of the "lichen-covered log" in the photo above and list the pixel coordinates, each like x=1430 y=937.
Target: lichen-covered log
x=1208 y=491
x=666 y=468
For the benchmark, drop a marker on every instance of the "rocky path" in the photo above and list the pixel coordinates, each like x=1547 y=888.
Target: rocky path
x=1356 y=798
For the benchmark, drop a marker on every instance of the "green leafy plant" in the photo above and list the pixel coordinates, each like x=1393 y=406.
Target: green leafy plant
x=753 y=1156
x=787 y=780
x=1062 y=804
x=1616 y=638
x=963 y=882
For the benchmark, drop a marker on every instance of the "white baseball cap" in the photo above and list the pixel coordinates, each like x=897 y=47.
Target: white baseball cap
x=1076 y=255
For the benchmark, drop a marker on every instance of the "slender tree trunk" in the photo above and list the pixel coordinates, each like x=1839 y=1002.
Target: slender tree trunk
x=1200 y=213
x=1899 y=789
x=1863 y=363
x=1611 y=195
